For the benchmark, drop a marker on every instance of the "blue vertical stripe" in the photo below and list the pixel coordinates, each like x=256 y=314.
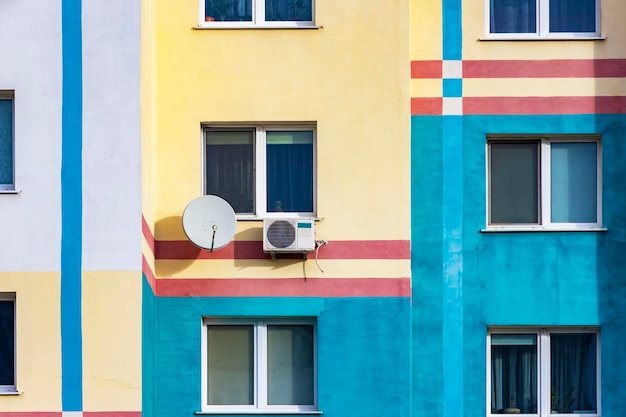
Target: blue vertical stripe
x=71 y=208
x=452 y=153
x=452 y=36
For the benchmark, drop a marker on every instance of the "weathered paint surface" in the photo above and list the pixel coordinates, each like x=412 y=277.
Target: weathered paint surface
x=73 y=250
x=465 y=280
x=358 y=98
x=362 y=350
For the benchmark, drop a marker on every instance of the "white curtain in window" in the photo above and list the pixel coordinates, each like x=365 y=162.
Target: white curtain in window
x=290 y=364
x=230 y=363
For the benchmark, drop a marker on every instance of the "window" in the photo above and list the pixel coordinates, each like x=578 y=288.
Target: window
x=262 y=170
x=6 y=141
x=549 y=182
x=270 y=13
x=7 y=342
x=255 y=365
x=543 y=371
x=543 y=18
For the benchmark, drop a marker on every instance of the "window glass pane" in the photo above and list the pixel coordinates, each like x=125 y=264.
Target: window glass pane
x=6 y=141
x=514 y=182
x=288 y=10
x=574 y=175
x=7 y=342
x=514 y=374
x=572 y=15
x=513 y=16
x=228 y=10
x=290 y=171
x=230 y=168
x=230 y=364
x=573 y=369
x=290 y=364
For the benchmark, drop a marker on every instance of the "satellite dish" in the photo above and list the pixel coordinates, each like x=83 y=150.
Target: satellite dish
x=209 y=222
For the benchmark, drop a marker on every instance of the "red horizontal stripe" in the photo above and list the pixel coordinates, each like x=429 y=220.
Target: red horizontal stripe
x=346 y=249
x=426 y=105
x=147 y=233
x=544 y=105
x=554 y=68
x=426 y=69
x=291 y=287
x=147 y=271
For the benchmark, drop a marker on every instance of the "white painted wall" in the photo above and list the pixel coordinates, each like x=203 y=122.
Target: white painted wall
x=111 y=135
x=30 y=64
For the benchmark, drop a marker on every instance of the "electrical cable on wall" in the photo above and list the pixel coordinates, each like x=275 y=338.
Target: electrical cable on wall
x=318 y=245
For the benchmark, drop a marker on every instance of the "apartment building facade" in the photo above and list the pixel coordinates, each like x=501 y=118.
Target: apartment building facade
x=451 y=169
x=287 y=110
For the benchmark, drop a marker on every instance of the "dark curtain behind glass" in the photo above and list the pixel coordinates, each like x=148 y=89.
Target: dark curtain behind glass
x=514 y=182
x=290 y=171
x=513 y=16
x=573 y=16
x=514 y=378
x=7 y=342
x=230 y=168
x=6 y=141
x=288 y=10
x=573 y=366
x=228 y=10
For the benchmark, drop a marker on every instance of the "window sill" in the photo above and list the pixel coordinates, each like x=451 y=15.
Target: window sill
x=541 y=229
x=246 y=217
x=10 y=393
x=249 y=26
x=258 y=412
x=9 y=191
x=540 y=38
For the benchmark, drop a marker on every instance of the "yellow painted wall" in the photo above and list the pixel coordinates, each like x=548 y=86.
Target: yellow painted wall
x=112 y=341
x=351 y=76
x=426 y=35
x=38 y=340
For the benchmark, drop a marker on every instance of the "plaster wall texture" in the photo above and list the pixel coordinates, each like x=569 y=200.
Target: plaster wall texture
x=509 y=279
x=349 y=76
x=77 y=170
x=31 y=218
x=111 y=151
x=362 y=362
x=38 y=352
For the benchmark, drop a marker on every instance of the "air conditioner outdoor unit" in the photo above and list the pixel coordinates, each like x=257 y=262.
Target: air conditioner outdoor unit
x=289 y=235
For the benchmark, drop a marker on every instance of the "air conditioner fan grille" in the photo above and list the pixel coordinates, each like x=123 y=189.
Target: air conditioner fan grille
x=281 y=234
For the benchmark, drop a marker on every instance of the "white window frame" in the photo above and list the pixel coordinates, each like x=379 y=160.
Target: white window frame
x=10 y=95
x=543 y=367
x=258 y=19
x=260 y=405
x=11 y=389
x=260 y=180
x=545 y=222
x=543 y=26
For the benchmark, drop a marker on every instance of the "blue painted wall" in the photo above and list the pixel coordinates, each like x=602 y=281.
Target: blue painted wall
x=148 y=355
x=530 y=278
x=363 y=351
